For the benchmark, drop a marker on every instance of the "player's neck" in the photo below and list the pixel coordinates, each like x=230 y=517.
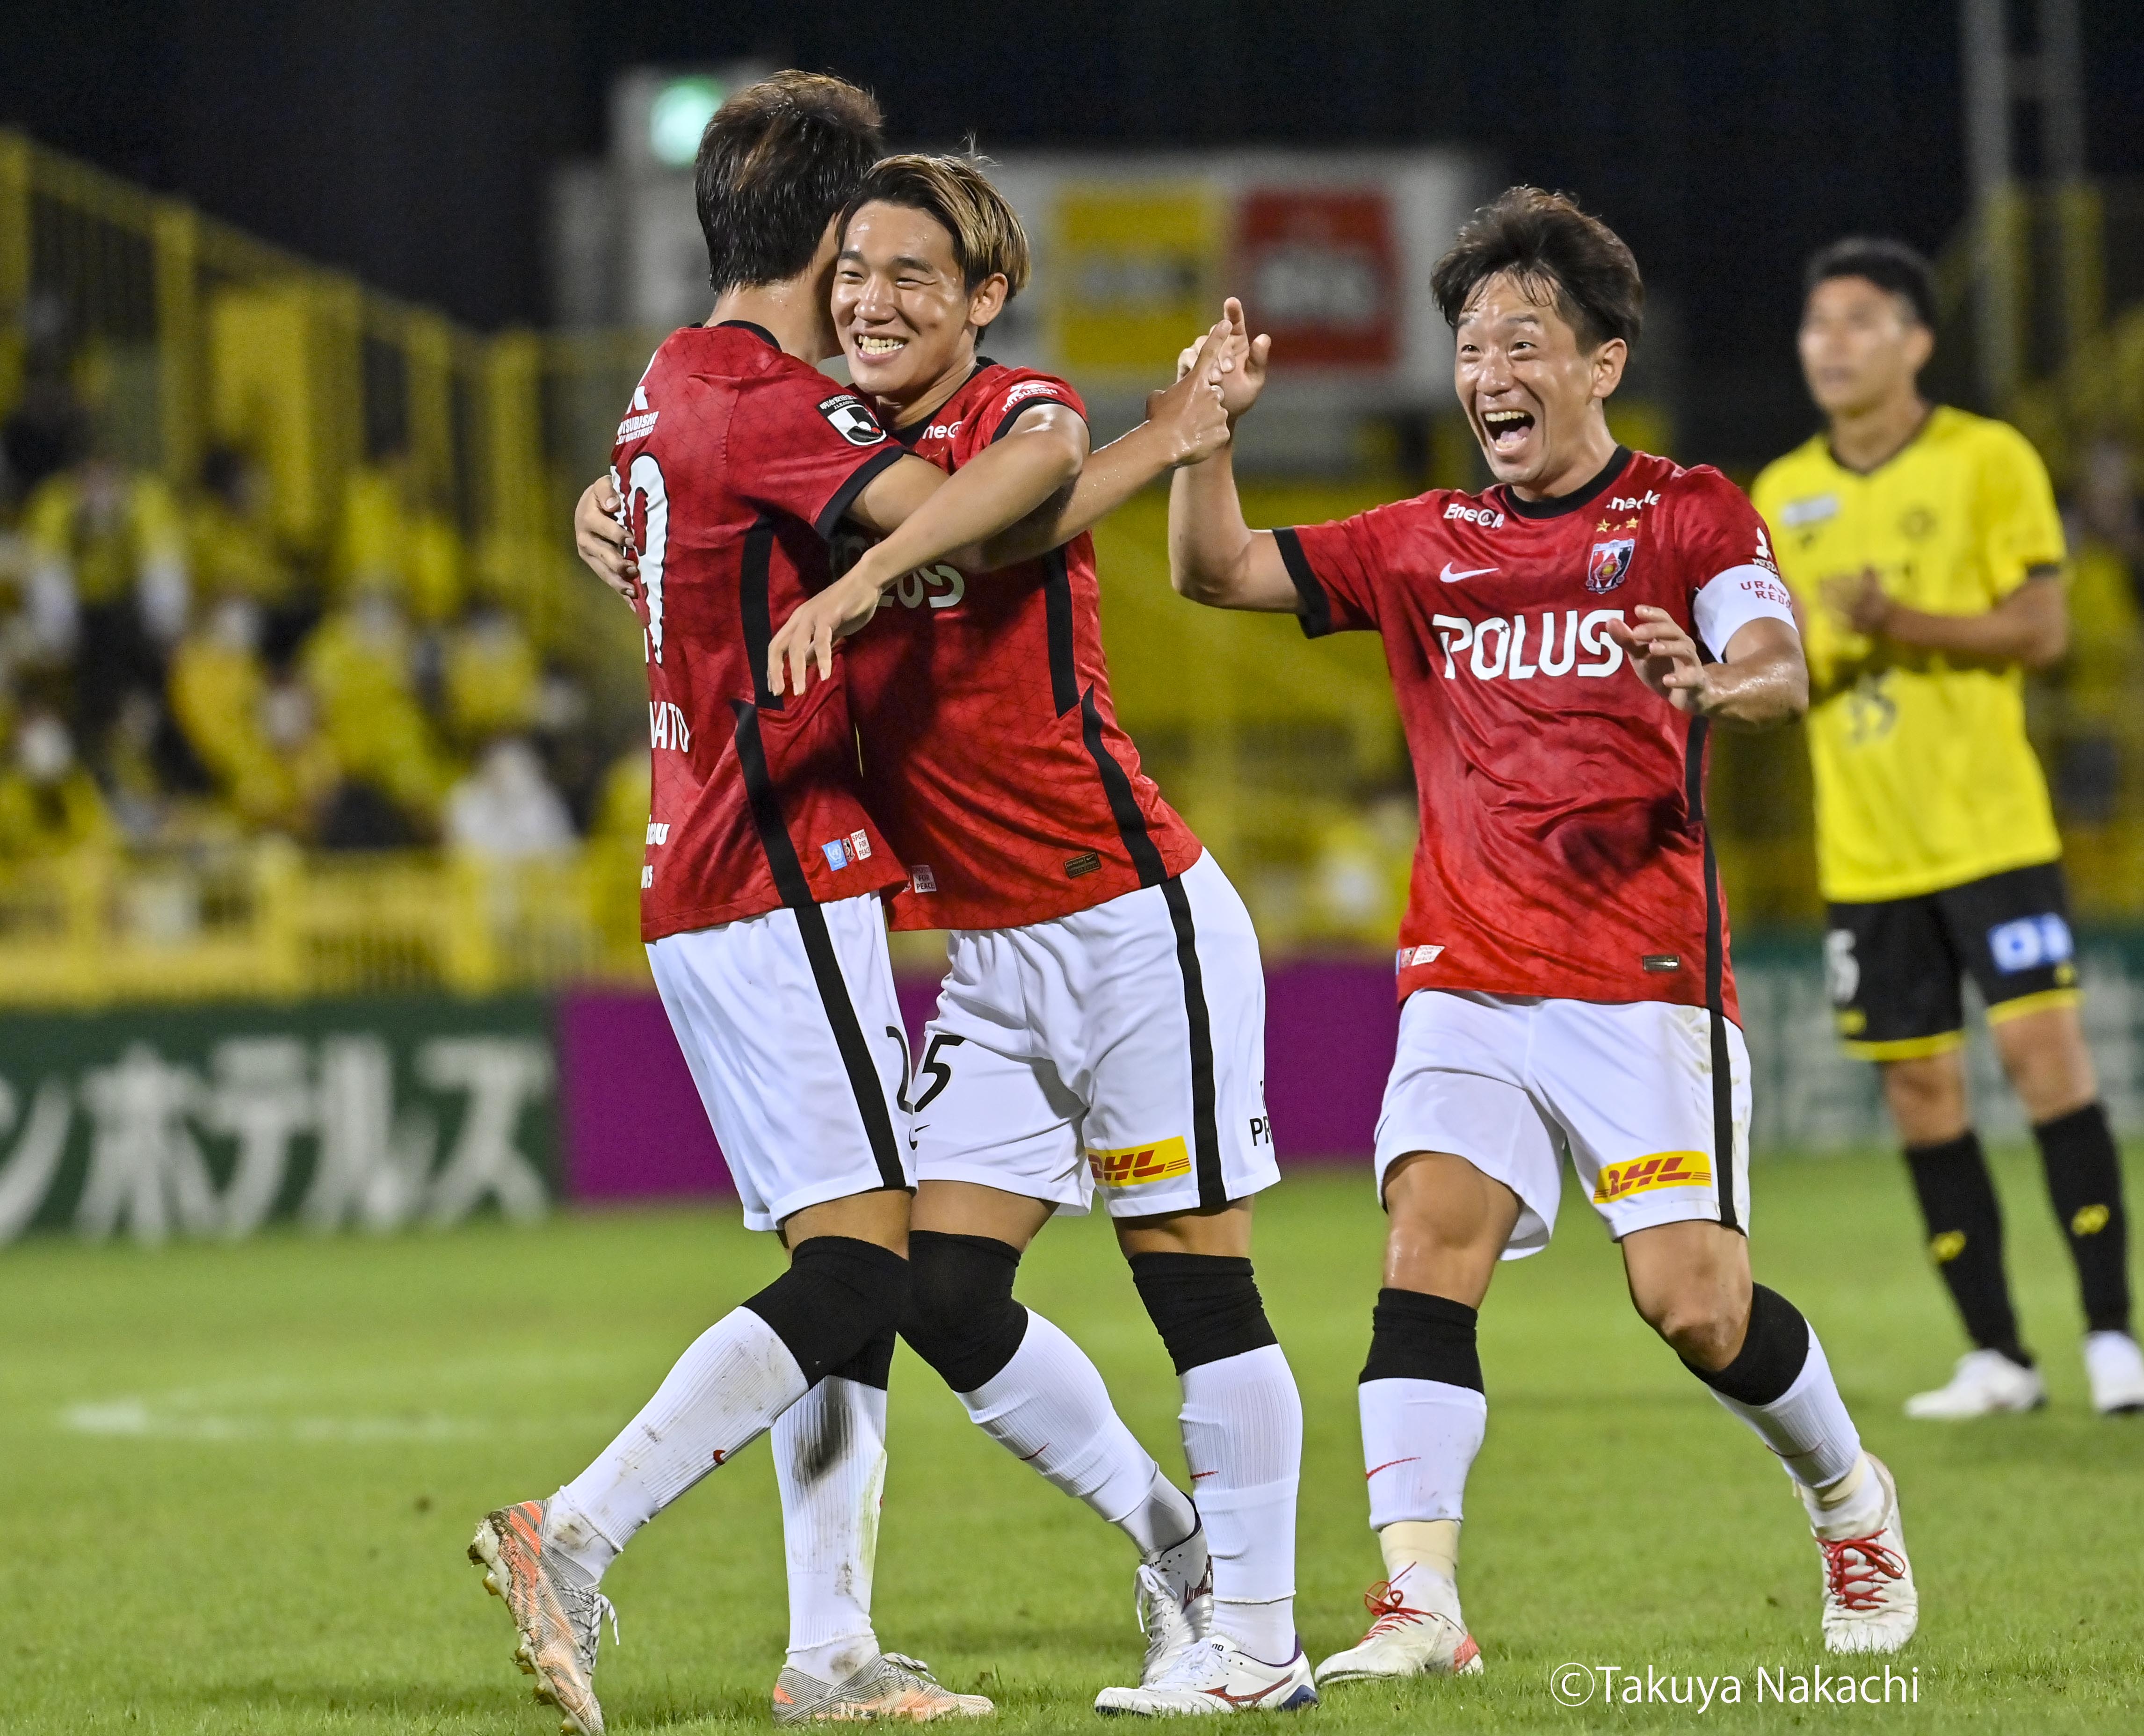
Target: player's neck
x=1864 y=440
x=1573 y=470
x=791 y=312
x=940 y=391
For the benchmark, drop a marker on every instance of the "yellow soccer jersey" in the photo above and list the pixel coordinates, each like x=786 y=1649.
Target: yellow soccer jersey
x=1924 y=778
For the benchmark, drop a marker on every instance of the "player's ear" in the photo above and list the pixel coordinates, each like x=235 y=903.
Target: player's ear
x=987 y=301
x=1920 y=345
x=1608 y=363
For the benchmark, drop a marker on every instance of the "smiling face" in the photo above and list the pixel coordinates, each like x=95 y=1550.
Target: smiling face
x=1861 y=346
x=1532 y=390
x=906 y=317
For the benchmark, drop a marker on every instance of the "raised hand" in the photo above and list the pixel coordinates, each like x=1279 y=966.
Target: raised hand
x=1665 y=659
x=1190 y=412
x=603 y=542
x=1243 y=360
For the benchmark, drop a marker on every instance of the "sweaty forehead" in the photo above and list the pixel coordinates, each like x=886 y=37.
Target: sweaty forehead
x=1508 y=299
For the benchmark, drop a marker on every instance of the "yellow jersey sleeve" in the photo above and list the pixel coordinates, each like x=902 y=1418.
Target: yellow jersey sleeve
x=2020 y=530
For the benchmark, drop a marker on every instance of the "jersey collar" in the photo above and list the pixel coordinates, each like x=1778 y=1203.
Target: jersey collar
x=761 y=332
x=909 y=436
x=1556 y=505
x=1892 y=457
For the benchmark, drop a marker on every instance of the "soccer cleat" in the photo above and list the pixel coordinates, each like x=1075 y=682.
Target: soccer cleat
x=1174 y=1595
x=556 y=1608
x=2116 y=1367
x=1214 y=1675
x=889 y=1686
x=1984 y=1383
x=1869 y=1602
x=1404 y=1641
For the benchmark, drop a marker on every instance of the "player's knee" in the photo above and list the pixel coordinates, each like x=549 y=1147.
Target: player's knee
x=1206 y=1306
x=838 y=1297
x=961 y=1318
x=1773 y=1347
x=1702 y=1318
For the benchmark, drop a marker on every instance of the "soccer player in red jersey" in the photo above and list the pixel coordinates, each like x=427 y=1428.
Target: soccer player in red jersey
x=1561 y=645
x=1101 y=1022
x=763 y=919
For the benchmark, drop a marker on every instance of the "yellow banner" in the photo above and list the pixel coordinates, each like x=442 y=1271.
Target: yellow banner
x=1136 y=272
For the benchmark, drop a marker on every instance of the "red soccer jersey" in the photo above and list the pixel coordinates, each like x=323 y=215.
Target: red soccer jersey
x=1563 y=848
x=991 y=751
x=737 y=461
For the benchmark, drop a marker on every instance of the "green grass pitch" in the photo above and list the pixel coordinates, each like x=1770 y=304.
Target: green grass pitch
x=238 y=1481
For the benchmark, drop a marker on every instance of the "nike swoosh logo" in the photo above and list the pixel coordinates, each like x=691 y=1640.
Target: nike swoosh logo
x=1450 y=577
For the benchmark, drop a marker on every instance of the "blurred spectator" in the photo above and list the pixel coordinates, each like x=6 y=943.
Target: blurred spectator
x=2103 y=675
x=622 y=812
x=507 y=806
x=258 y=743
x=357 y=664
x=49 y=806
x=107 y=584
x=493 y=683
x=236 y=553
x=391 y=539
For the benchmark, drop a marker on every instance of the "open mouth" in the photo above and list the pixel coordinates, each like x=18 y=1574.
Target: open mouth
x=869 y=344
x=1506 y=429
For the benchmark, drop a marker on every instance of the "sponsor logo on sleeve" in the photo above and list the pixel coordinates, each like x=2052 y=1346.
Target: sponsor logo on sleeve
x=1028 y=388
x=1610 y=564
x=1487 y=517
x=1134 y=1165
x=1648 y=1175
x=1411 y=955
x=851 y=420
x=1764 y=557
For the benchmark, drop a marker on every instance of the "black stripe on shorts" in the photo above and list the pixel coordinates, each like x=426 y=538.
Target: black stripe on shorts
x=796 y=891
x=1205 y=1128
x=1715 y=977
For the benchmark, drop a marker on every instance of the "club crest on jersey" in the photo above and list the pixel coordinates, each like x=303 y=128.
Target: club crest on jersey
x=851 y=420
x=1610 y=564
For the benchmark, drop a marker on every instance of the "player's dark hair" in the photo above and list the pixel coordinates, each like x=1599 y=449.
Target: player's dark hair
x=1888 y=263
x=1560 y=255
x=989 y=239
x=778 y=159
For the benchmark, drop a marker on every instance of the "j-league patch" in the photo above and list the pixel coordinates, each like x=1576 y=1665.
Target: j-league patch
x=852 y=421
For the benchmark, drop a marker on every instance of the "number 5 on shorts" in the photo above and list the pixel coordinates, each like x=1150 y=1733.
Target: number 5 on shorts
x=938 y=1072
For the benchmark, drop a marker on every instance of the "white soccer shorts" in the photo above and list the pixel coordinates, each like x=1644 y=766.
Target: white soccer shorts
x=1122 y=1046
x=789 y=1023
x=1514 y=1082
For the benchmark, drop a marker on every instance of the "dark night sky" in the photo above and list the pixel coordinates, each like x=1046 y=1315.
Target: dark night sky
x=411 y=141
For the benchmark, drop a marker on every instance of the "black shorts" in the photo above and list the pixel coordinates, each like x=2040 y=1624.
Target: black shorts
x=1896 y=969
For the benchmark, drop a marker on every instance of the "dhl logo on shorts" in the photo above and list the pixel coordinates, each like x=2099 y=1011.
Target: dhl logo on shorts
x=1641 y=1175
x=1135 y=1165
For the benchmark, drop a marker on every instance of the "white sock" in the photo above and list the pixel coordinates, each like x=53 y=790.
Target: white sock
x=1243 y=1437
x=724 y=1393
x=1048 y=1408
x=1851 y=1507
x=830 y=1460
x=1807 y=1426
x=1419 y=1440
x=1422 y=1563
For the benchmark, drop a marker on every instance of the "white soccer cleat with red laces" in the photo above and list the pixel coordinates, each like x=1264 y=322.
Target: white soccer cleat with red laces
x=1216 y=1676
x=1869 y=1602
x=1173 y=1596
x=1404 y=1640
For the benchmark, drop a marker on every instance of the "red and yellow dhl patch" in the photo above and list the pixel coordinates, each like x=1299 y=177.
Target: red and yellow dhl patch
x=1642 y=1175
x=1135 y=1165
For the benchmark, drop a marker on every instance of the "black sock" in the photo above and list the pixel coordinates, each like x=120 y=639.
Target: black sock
x=1965 y=1238
x=2084 y=1180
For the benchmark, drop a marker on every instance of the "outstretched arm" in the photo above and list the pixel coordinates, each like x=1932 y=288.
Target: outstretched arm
x=1761 y=680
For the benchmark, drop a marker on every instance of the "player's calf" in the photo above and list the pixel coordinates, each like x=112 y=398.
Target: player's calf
x=1780 y=1384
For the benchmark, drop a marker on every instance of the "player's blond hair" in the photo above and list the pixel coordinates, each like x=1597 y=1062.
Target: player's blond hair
x=989 y=239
